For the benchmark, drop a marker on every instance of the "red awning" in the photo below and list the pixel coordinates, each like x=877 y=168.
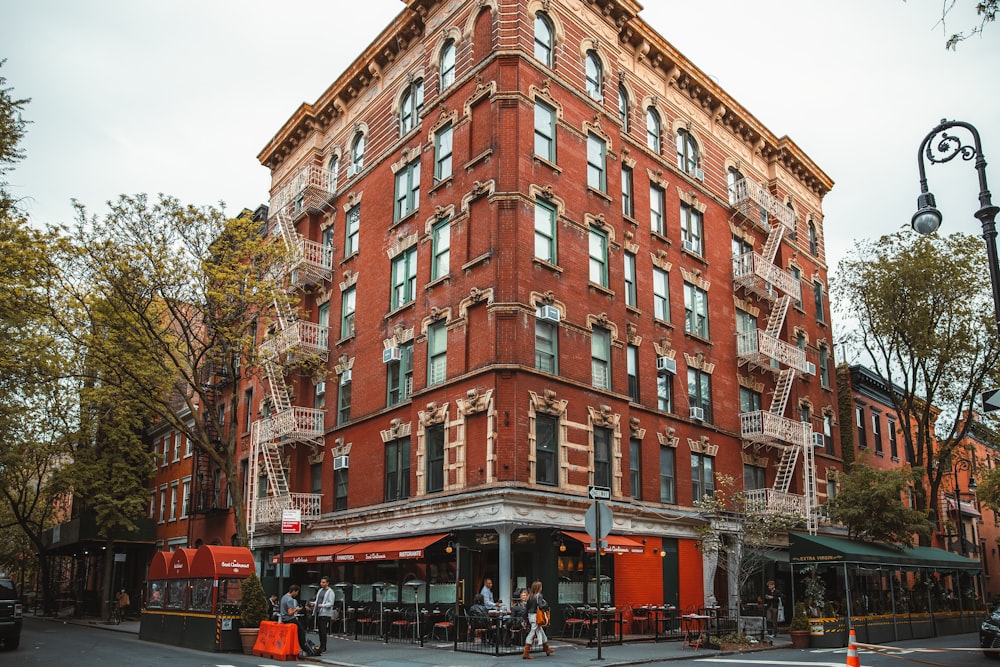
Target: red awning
x=180 y=564
x=617 y=544
x=159 y=566
x=215 y=561
x=405 y=547
x=313 y=554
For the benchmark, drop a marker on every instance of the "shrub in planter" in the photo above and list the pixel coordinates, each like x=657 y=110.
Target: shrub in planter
x=798 y=628
x=253 y=609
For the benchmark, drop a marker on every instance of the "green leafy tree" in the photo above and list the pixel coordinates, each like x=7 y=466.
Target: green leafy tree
x=869 y=503
x=921 y=317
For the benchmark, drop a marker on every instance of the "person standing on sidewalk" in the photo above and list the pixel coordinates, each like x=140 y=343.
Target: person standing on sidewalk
x=772 y=602
x=534 y=603
x=325 y=600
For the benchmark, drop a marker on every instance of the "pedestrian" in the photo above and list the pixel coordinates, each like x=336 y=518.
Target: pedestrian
x=275 y=610
x=123 y=603
x=487 y=593
x=773 y=602
x=323 y=611
x=537 y=633
x=290 y=612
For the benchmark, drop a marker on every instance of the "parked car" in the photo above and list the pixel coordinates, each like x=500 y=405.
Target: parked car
x=11 y=613
x=989 y=633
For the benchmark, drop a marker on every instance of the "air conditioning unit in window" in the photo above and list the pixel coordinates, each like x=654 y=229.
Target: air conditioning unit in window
x=810 y=368
x=698 y=414
x=818 y=440
x=391 y=354
x=699 y=174
x=691 y=246
x=667 y=365
x=548 y=313
x=320 y=388
x=345 y=377
x=340 y=463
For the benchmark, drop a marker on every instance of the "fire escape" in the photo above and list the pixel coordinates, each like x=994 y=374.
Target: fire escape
x=762 y=349
x=292 y=339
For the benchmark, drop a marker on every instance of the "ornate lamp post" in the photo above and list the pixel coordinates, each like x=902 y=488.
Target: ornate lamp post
x=938 y=147
x=961 y=465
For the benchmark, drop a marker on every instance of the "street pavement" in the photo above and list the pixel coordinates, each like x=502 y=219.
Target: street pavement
x=348 y=652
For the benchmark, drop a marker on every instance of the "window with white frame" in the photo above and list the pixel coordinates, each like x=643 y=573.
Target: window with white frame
x=749 y=400
x=410 y=106
x=399 y=376
x=434 y=459
x=623 y=108
x=443 y=153
x=441 y=249
x=596 y=162
x=185 y=497
x=397 y=469
x=163 y=504
x=546 y=345
x=661 y=294
x=404 y=278
x=824 y=367
x=818 y=299
x=595 y=76
x=890 y=427
x=602 y=456
x=733 y=178
x=344 y=401
x=352 y=229
x=437 y=353
x=628 y=201
x=702 y=476
x=407 y=189
x=754 y=477
x=598 y=243
x=668 y=476
x=333 y=172
x=545 y=232
x=600 y=358
x=665 y=392
x=323 y=320
x=657 y=204
x=347 y=307
x=688 y=157
x=546 y=449
x=632 y=368
x=340 y=489
x=653 y=130
x=543 y=39
x=446 y=64
x=631 y=293
x=695 y=310
x=357 y=154
x=828 y=433
x=545 y=131
x=173 y=501
x=692 y=229
x=635 y=468
x=700 y=394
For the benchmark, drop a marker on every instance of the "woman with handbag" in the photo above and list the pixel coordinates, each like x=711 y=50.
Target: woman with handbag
x=538 y=616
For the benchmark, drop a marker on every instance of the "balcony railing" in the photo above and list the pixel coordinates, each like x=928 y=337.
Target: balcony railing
x=753 y=272
x=301 y=337
x=759 y=347
x=296 y=424
x=306 y=188
x=269 y=508
x=758 y=205
x=774 y=501
x=767 y=428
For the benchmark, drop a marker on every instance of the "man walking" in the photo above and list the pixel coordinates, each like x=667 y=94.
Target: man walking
x=772 y=601
x=324 y=611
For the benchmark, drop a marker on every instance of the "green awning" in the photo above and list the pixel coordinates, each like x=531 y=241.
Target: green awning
x=810 y=549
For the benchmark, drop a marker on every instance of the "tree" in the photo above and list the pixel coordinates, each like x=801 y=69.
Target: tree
x=12 y=127
x=869 y=503
x=922 y=316
x=986 y=11
x=166 y=299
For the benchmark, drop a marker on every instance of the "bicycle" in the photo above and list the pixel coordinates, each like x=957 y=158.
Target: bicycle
x=114 y=613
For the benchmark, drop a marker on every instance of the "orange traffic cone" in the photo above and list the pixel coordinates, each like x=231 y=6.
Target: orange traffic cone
x=852 y=651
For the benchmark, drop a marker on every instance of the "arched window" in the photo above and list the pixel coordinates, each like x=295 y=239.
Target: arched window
x=687 y=152
x=447 y=64
x=813 y=240
x=332 y=174
x=623 y=109
x=357 y=154
x=595 y=76
x=733 y=176
x=410 y=105
x=653 y=130
x=543 y=39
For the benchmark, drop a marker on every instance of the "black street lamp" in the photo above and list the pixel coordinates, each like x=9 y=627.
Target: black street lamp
x=963 y=465
x=938 y=147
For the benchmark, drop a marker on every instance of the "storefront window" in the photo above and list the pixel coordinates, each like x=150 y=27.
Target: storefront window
x=201 y=594
x=176 y=594
x=229 y=591
x=155 y=597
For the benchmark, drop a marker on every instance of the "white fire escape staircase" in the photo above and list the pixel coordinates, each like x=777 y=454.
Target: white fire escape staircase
x=292 y=339
x=764 y=350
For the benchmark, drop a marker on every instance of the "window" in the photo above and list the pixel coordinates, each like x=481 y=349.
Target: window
x=812 y=238
x=742 y=256
x=400 y=376
x=824 y=367
x=632 y=364
x=163 y=504
x=877 y=434
x=407 y=189
x=702 y=476
x=185 y=498
x=668 y=476
x=700 y=393
x=353 y=227
x=602 y=457
x=434 y=472
x=546 y=346
x=248 y=417
x=600 y=358
x=357 y=155
x=177 y=446
x=628 y=203
x=635 y=468
x=890 y=427
x=691 y=229
x=596 y=155
x=410 y=106
x=545 y=131
x=323 y=318
x=598 y=242
x=753 y=477
x=623 y=108
x=733 y=178
x=631 y=295
x=797 y=274
x=344 y=403
x=340 y=490
x=687 y=152
x=316 y=478
x=545 y=233
x=665 y=392
x=818 y=299
x=442 y=153
x=447 y=64
x=746 y=323
x=333 y=170
x=595 y=76
x=404 y=278
x=173 y=502
x=437 y=353
x=749 y=400
x=828 y=433
x=543 y=39
x=397 y=469
x=441 y=249
x=347 y=308
x=653 y=130
x=859 y=420
x=657 y=204
x=546 y=449
x=661 y=294
x=695 y=310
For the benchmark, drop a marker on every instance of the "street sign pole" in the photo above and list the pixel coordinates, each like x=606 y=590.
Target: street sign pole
x=597 y=568
x=281 y=564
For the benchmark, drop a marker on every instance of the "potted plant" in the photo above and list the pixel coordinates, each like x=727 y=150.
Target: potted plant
x=798 y=628
x=253 y=610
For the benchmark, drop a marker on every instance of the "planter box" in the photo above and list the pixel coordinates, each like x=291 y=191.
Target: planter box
x=827 y=632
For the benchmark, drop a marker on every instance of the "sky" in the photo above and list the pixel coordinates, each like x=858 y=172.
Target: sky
x=179 y=97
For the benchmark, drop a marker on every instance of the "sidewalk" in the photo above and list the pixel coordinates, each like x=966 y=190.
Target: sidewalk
x=348 y=652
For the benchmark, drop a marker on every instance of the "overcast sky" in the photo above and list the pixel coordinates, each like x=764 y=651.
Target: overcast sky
x=178 y=97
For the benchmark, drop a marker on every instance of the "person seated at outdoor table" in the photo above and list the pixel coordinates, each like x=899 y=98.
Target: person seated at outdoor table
x=479 y=618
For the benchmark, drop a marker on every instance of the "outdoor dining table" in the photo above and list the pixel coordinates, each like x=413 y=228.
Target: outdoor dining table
x=694 y=626
x=611 y=622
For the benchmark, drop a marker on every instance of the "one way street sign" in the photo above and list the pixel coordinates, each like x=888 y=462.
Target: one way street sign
x=991 y=400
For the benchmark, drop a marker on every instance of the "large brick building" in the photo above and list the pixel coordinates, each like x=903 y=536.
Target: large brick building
x=539 y=250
